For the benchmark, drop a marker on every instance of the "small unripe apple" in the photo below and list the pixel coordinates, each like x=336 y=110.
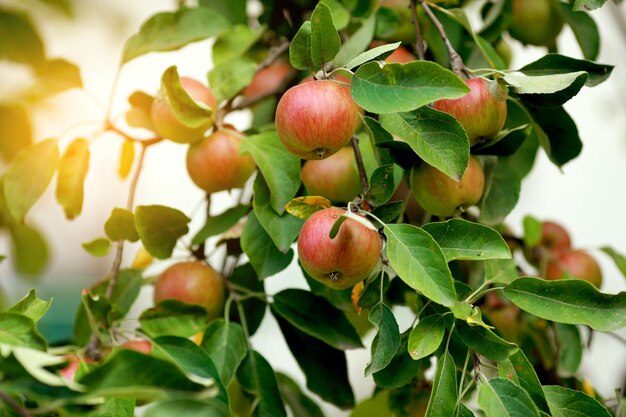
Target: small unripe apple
x=192 y=282
x=341 y=262
x=316 y=119
x=215 y=164
x=575 y=264
x=268 y=80
x=442 y=196
x=335 y=177
x=138 y=345
x=168 y=126
x=536 y=22
x=481 y=112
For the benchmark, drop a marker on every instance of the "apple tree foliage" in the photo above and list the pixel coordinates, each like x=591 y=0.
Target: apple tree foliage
x=499 y=340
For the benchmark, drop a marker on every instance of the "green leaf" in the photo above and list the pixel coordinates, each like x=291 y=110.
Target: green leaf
x=376 y=406
x=419 y=261
x=426 y=336
x=29 y=250
x=15 y=130
x=358 y=42
x=547 y=90
x=126 y=373
x=16 y=329
x=283 y=229
x=234 y=43
x=188 y=408
x=116 y=407
x=98 y=247
x=387 y=213
x=503 y=184
x=325 y=42
x=501 y=398
x=580 y=5
x=169 y=31
x=190 y=112
x=19 y=40
x=560 y=64
x=565 y=402
x=300 y=48
x=226 y=346
x=173 y=318
x=382 y=185
x=378 y=53
x=570 y=351
x=300 y=404
x=315 y=316
x=320 y=363
x=247 y=281
x=32 y=307
x=558 y=132
x=533 y=231
x=229 y=78
x=92 y=316
x=192 y=359
x=438 y=138
x=121 y=225
x=520 y=371
x=159 y=228
x=485 y=342
x=569 y=301
x=390 y=88
x=461 y=239
x=443 y=397
x=55 y=76
x=72 y=170
x=233 y=10
x=257 y=377
x=501 y=271
x=618 y=258
x=219 y=224
x=387 y=340
x=304 y=207
x=27 y=176
x=584 y=28
x=279 y=167
x=264 y=256
x=401 y=370
x=341 y=15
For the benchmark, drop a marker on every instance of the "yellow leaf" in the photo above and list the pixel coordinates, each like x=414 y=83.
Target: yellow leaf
x=303 y=207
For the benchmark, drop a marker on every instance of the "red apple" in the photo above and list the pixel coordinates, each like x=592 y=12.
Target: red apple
x=442 y=196
x=192 y=282
x=335 y=177
x=268 y=80
x=168 y=126
x=341 y=262
x=554 y=237
x=138 y=345
x=315 y=120
x=536 y=22
x=575 y=264
x=215 y=164
x=481 y=112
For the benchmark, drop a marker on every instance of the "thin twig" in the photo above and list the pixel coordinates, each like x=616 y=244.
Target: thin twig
x=455 y=59
x=419 y=40
x=8 y=400
x=359 y=163
x=199 y=252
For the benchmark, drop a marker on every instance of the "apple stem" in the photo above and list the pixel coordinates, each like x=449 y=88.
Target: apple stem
x=199 y=252
x=455 y=59
x=359 y=163
x=419 y=41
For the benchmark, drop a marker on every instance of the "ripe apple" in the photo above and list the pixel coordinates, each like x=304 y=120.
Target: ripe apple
x=575 y=264
x=138 y=345
x=341 y=262
x=441 y=195
x=215 y=164
x=192 y=282
x=316 y=119
x=481 y=112
x=335 y=177
x=536 y=22
x=268 y=80
x=554 y=240
x=168 y=126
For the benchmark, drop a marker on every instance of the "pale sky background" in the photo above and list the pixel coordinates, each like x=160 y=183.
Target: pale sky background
x=588 y=197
